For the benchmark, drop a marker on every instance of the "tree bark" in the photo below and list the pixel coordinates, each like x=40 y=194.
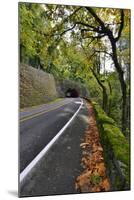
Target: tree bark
x=110 y=92
x=122 y=81
x=104 y=92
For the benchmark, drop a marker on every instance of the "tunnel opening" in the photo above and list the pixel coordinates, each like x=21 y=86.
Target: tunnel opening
x=72 y=93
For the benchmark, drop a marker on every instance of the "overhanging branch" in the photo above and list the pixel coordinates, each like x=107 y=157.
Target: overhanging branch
x=121 y=25
x=100 y=22
x=92 y=28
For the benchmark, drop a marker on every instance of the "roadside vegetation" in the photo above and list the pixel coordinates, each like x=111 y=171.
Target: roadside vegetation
x=116 y=150
x=90 y=46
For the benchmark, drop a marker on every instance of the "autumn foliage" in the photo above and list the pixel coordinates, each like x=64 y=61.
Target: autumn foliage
x=93 y=178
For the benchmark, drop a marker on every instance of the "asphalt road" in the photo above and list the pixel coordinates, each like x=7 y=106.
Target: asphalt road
x=55 y=173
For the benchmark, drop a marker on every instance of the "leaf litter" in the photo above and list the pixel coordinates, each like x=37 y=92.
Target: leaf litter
x=94 y=177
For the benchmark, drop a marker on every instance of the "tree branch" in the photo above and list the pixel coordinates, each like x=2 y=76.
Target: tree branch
x=97 y=51
x=98 y=80
x=100 y=22
x=121 y=25
x=84 y=24
x=91 y=42
x=92 y=28
x=88 y=57
x=75 y=12
x=66 y=19
x=99 y=36
x=69 y=29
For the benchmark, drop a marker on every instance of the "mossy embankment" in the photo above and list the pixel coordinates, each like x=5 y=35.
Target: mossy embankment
x=116 y=150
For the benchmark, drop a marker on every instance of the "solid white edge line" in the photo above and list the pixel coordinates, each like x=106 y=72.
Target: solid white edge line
x=26 y=171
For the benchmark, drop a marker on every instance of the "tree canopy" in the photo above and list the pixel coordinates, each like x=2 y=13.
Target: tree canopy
x=88 y=45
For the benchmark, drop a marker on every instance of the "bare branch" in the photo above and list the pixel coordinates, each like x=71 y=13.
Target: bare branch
x=69 y=29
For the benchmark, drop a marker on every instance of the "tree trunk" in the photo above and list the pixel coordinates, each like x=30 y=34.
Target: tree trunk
x=105 y=96
x=105 y=100
x=122 y=81
x=120 y=72
x=110 y=92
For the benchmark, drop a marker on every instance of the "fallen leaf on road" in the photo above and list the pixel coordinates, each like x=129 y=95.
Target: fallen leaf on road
x=93 y=178
x=105 y=184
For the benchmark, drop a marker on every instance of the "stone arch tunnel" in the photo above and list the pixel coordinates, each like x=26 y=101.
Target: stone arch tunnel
x=72 y=93
x=67 y=88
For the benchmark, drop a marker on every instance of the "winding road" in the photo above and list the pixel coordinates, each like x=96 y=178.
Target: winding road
x=50 y=137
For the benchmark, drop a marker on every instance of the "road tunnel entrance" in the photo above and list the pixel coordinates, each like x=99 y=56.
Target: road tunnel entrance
x=72 y=93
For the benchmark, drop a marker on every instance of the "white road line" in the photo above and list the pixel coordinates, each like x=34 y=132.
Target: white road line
x=27 y=170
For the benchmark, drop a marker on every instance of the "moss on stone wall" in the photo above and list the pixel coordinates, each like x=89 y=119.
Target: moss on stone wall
x=116 y=150
x=36 y=86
